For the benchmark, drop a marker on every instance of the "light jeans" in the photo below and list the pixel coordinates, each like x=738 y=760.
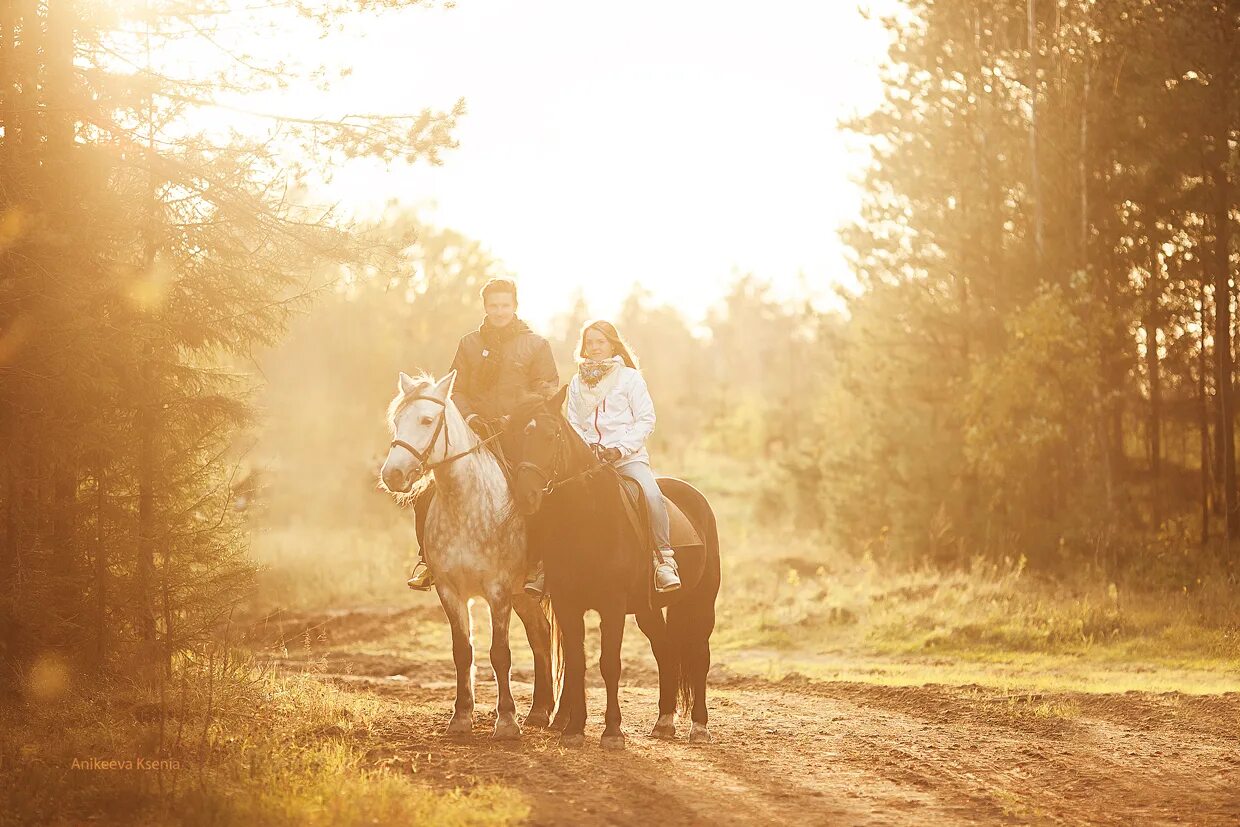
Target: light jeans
x=659 y=523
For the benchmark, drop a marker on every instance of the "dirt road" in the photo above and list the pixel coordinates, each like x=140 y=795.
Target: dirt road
x=802 y=752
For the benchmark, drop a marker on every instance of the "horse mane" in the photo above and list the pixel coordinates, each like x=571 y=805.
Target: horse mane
x=575 y=441
x=607 y=481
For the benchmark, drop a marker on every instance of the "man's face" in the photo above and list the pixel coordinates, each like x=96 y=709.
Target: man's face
x=500 y=308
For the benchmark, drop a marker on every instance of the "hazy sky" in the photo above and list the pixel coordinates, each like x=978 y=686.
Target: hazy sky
x=675 y=144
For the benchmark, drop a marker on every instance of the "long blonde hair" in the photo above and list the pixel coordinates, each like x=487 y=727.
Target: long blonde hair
x=618 y=344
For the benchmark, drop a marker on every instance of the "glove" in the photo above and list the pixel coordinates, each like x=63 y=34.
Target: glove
x=610 y=454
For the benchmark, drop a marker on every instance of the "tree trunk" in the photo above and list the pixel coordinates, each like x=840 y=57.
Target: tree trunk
x=58 y=85
x=101 y=570
x=1222 y=348
x=1203 y=410
x=1083 y=167
x=8 y=90
x=1154 y=431
x=64 y=520
x=26 y=73
x=147 y=417
x=145 y=581
x=1035 y=185
x=8 y=542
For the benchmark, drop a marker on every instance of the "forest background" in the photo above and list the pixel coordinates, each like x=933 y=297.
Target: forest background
x=1015 y=435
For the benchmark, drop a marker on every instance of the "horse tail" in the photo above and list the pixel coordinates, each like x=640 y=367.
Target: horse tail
x=684 y=690
x=691 y=621
x=557 y=651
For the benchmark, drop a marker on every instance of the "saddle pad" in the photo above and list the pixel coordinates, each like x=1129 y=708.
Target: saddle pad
x=690 y=550
x=682 y=534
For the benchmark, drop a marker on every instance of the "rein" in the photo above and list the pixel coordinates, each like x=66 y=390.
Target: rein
x=422 y=456
x=579 y=475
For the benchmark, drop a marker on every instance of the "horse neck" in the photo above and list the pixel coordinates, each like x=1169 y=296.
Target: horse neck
x=596 y=493
x=580 y=457
x=474 y=471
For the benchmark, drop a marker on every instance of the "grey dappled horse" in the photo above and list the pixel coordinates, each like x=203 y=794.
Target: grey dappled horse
x=474 y=544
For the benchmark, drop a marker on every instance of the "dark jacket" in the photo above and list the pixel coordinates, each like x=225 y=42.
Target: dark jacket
x=494 y=381
x=495 y=385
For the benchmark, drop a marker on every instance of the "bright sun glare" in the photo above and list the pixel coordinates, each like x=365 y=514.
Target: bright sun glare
x=671 y=146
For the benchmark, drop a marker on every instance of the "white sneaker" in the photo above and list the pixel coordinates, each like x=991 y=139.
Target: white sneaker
x=666 y=578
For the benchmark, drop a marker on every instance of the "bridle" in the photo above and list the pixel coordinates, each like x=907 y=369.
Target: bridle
x=423 y=456
x=558 y=460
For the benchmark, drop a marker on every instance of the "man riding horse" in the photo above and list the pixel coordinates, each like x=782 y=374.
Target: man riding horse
x=500 y=367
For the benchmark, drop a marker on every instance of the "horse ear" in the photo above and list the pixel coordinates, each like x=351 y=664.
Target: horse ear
x=443 y=388
x=557 y=401
x=405 y=383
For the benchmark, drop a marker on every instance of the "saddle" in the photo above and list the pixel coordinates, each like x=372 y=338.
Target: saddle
x=684 y=538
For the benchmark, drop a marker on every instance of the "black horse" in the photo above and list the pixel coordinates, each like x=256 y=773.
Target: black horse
x=597 y=559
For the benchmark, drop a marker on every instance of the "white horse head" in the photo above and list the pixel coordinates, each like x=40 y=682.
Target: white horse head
x=424 y=423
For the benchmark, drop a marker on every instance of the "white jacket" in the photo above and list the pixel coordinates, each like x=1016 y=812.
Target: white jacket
x=624 y=419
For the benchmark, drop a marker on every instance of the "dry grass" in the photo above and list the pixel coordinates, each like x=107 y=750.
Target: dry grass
x=309 y=566
x=790 y=603
x=276 y=750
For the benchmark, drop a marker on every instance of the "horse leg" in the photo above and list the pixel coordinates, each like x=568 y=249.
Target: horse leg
x=506 y=726
x=697 y=664
x=457 y=610
x=573 y=630
x=689 y=626
x=654 y=627
x=538 y=630
x=612 y=628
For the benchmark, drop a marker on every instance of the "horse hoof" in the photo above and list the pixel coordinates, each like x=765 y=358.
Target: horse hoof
x=559 y=723
x=666 y=732
x=463 y=725
x=613 y=742
x=698 y=734
x=575 y=741
x=540 y=719
x=506 y=731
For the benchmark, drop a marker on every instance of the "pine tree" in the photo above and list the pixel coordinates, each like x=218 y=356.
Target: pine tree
x=142 y=254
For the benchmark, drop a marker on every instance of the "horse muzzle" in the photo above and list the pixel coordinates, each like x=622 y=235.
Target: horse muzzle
x=397 y=481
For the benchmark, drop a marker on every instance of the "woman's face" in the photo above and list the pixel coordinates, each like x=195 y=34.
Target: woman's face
x=598 y=346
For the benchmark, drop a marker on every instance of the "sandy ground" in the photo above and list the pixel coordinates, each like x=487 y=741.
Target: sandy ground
x=802 y=752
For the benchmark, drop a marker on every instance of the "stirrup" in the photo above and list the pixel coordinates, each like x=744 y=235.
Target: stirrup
x=666 y=577
x=422 y=580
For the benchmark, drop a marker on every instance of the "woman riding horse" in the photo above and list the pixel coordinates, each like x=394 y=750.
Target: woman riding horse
x=597 y=555
x=610 y=407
